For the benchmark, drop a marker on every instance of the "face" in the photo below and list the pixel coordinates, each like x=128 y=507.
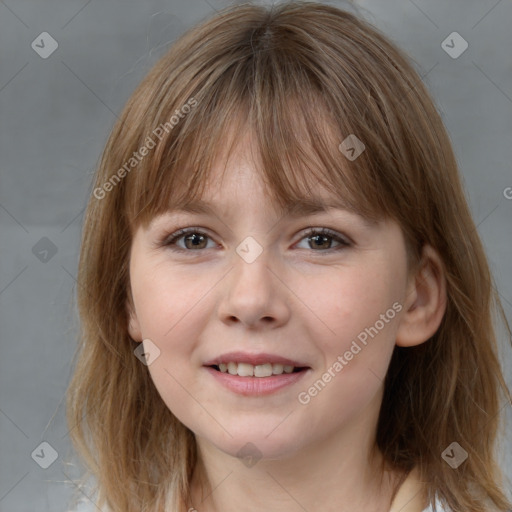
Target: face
x=308 y=304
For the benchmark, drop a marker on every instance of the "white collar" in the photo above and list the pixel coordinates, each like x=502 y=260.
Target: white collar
x=411 y=495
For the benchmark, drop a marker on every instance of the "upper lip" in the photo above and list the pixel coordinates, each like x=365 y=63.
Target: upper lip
x=254 y=359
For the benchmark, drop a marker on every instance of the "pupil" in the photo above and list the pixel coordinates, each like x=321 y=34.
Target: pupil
x=318 y=239
x=195 y=239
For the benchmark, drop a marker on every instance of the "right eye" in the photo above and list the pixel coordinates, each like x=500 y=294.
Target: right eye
x=188 y=239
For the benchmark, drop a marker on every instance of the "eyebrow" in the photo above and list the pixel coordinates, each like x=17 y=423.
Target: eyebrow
x=299 y=208
x=304 y=206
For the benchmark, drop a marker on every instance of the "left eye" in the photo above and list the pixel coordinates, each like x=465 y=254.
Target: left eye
x=323 y=239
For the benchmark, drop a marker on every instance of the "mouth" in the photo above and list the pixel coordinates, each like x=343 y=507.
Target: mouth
x=255 y=374
x=258 y=371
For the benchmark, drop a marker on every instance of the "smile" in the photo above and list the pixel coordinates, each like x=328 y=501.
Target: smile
x=260 y=370
x=251 y=374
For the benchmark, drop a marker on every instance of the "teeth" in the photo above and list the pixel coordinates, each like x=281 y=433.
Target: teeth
x=260 y=370
x=246 y=370
x=277 y=369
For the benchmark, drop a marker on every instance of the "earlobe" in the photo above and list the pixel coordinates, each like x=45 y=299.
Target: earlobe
x=133 y=325
x=425 y=303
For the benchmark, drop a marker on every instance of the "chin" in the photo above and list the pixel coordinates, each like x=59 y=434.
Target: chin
x=252 y=445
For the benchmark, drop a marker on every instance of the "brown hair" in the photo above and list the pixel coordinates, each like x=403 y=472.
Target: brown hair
x=303 y=76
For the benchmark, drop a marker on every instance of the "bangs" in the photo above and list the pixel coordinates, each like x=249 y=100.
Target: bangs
x=298 y=113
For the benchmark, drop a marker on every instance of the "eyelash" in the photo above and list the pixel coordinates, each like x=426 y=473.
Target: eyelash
x=170 y=241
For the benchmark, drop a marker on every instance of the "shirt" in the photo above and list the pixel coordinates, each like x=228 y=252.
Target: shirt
x=439 y=508
x=409 y=497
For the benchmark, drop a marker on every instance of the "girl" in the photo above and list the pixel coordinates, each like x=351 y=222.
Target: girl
x=285 y=303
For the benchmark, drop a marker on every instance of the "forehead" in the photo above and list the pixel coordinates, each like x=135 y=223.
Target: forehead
x=238 y=166
x=299 y=168
x=237 y=169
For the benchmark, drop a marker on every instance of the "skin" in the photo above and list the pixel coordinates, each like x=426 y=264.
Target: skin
x=300 y=300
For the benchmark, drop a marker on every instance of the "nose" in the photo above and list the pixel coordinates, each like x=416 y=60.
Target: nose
x=254 y=294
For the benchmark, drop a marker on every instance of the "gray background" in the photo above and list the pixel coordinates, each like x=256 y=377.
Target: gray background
x=55 y=116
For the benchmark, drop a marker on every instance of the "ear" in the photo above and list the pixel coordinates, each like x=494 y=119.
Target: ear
x=133 y=322
x=425 y=302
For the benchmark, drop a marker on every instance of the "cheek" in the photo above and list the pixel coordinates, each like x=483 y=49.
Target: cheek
x=356 y=348
x=165 y=299
x=339 y=305
x=172 y=311
x=354 y=327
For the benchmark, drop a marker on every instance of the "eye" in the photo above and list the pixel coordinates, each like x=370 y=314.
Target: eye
x=192 y=239
x=321 y=239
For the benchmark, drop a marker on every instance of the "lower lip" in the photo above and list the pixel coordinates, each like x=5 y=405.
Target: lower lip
x=256 y=386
